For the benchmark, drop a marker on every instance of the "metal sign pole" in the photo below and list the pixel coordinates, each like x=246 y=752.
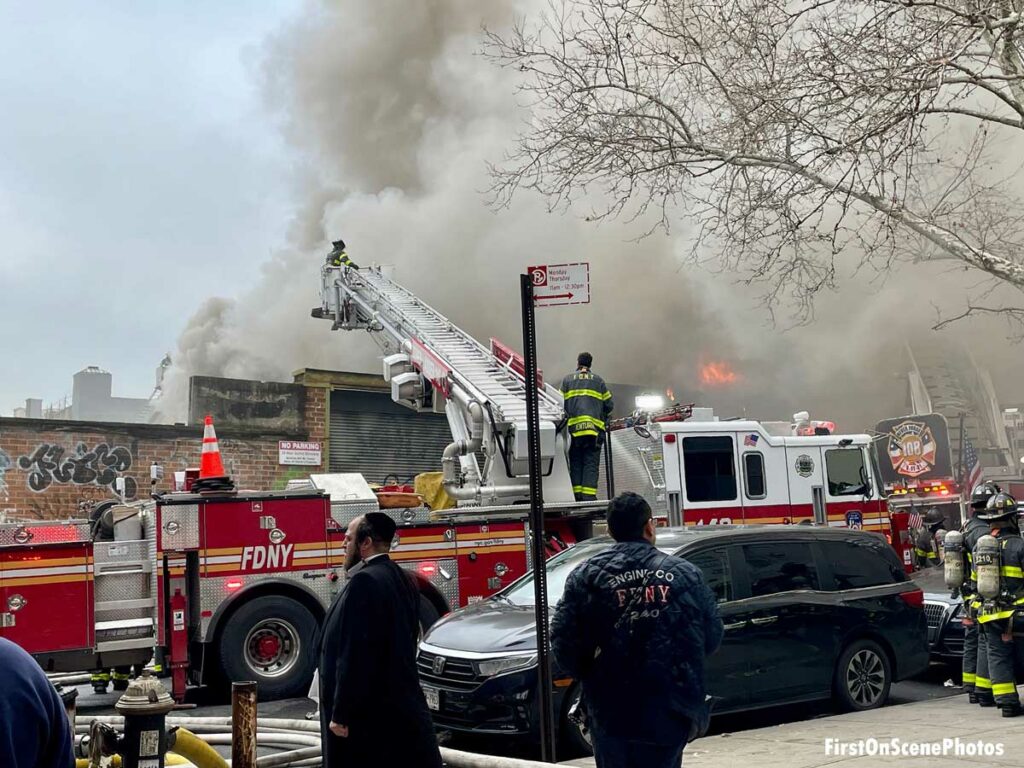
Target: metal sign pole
x=540 y=580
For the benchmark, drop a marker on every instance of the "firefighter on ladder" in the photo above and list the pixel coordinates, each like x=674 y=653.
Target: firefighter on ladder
x=588 y=404
x=975 y=660
x=999 y=565
x=338 y=258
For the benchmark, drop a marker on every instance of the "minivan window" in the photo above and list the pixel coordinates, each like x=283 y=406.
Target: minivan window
x=847 y=475
x=781 y=566
x=709 y=468
x=861 y=563
x=753 y=475
x=714 y=564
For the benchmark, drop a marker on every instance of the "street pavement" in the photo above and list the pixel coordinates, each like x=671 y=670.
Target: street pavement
x=934 y=733
x=932 y=686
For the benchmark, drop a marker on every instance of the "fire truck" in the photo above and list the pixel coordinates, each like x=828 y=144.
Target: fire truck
x=227 y=585
x=233 y=585
x=707 y=471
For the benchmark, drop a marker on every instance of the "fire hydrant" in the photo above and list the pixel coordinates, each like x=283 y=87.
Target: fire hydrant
x=145 y=706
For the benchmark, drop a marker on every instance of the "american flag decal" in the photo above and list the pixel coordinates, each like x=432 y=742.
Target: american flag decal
x=750 y=441
x=914 y=520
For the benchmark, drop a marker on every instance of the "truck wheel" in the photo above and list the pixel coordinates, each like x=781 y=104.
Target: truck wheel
x=268 y=639
x=862 y=677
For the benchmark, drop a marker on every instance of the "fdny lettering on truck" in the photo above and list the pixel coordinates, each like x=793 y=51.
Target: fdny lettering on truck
x=267 y=557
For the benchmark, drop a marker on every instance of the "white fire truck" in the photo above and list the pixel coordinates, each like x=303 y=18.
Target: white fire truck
x=233 y=585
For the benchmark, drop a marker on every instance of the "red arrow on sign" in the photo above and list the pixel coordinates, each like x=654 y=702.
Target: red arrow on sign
x=553 y=296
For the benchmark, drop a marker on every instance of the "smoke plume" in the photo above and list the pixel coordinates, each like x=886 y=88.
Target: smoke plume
x=393 y=117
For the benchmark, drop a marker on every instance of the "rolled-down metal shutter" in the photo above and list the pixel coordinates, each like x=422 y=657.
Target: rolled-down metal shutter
x=372 y=435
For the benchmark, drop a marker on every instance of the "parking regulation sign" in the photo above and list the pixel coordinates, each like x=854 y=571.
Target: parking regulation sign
x=555 y=284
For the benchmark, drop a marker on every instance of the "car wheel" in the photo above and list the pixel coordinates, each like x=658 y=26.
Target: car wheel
x=268 y=640
x=863 y=676
x=576 y=741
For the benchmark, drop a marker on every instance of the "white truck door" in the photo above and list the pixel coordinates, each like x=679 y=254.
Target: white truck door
x=764 y=484
x=710 y=479
x=806 y=483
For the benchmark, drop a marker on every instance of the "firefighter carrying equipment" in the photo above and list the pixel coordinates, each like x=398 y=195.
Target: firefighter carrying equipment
x=1006 y=569
x=953 y=558
x=986 y=566
x=338 y=258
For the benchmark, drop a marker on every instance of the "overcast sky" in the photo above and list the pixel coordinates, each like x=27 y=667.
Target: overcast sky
x=139 y=174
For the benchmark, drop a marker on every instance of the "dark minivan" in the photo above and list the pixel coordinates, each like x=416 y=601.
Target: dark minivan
x=809 y=613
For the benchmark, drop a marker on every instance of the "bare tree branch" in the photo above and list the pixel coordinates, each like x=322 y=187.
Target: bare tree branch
x=789 y=133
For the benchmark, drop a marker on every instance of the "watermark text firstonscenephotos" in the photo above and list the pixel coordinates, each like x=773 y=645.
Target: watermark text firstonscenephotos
x=897 y=747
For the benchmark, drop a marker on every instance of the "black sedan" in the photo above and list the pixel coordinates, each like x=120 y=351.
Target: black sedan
x=810 y=613
x=945 y=617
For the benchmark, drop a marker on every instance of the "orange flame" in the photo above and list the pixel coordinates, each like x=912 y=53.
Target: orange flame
x=670 y=395
x=717 y=374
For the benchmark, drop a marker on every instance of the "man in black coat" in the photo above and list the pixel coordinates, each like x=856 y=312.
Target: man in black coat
x=372 y=710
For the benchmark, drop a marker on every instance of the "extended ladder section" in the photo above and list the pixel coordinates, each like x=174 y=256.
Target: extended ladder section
x=434 y=366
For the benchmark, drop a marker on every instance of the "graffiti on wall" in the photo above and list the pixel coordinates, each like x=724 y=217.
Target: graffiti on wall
x=5 y=464
x=101 y=466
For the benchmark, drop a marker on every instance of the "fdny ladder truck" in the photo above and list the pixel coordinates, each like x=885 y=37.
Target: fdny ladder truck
x=227 y=586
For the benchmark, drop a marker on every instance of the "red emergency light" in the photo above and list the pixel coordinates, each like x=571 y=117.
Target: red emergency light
x=233 y=585
x=427 y=569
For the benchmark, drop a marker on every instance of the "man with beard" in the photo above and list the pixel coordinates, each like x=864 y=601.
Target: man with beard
x=372 y=710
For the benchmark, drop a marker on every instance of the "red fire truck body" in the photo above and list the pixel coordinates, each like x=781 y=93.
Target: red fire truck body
x=234 y=586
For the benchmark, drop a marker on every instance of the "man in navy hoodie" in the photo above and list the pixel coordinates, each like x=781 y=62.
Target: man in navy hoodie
x=34 y=730
x=634 y=626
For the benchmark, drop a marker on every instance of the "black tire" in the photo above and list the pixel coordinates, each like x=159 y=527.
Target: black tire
x=269 y=640
x=428 y=614
x=862 y=677
x=575 y=743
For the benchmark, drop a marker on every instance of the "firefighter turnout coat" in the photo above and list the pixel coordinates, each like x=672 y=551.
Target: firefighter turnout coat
x=588 y=403
x=1011 y=578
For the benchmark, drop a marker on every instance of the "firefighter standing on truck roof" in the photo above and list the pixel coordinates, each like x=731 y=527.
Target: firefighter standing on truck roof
x=924 y=545
x=1001 y=587
x=588 y=404
x=975 y=661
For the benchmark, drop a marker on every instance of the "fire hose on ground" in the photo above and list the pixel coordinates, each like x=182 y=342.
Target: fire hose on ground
x=142 y=733
x=196 y=737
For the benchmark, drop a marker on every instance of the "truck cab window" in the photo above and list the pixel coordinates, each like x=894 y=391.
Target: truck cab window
x=753 y=475
x=847 y=472
x=709 y=468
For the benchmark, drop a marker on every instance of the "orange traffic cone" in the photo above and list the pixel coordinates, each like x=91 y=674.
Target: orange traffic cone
x=210 y=464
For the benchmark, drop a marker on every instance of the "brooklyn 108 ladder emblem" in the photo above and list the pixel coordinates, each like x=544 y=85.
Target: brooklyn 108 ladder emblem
x=912 y=448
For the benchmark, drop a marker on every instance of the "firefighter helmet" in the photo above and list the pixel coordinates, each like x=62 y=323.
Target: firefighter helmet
x=1000 y=507
x=982 y=493
x=933 y=519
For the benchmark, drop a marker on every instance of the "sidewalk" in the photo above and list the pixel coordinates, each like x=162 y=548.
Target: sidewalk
x=803 y=744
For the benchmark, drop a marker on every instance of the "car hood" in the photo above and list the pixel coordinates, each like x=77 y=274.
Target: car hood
x=490 y=626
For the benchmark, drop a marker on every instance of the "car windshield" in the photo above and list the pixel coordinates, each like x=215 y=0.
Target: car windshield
x=559 y=568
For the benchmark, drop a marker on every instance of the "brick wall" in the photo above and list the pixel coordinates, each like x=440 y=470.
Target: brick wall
x=48 y=467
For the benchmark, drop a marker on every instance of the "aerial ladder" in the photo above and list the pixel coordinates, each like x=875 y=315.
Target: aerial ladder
x=435 y=367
